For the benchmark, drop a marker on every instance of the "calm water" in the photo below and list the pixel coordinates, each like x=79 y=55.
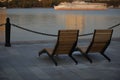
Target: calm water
x=50 y=21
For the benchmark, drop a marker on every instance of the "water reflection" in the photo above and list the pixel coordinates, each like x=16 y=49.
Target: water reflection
x=2 y=18
x=2 y=21
x=74 y=22
x=50 y=21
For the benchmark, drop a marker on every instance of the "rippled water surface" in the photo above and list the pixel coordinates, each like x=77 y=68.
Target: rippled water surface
x=49 y=21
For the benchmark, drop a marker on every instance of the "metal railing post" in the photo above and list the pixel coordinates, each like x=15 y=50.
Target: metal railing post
x=7 y=33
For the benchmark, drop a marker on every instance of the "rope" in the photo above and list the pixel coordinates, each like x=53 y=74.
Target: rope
x=114 y=26
x=56 y=35
x=44 y=33
x=34 y=31
x=107 y=28
x=86 y=34
x=2 y=24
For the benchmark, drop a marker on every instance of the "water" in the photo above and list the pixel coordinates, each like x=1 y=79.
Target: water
x=49 y=21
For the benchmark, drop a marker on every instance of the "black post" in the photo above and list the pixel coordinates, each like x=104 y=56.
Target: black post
x=7 y=33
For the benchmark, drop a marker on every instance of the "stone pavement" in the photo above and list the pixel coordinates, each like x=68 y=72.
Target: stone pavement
x=21 y=62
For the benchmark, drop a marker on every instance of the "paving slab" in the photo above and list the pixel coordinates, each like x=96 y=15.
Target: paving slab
x=21 y=62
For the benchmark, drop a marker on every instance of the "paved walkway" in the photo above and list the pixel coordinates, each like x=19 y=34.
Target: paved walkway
x=21 y=62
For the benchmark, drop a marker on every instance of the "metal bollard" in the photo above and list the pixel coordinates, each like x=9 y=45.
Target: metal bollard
x=7 y=33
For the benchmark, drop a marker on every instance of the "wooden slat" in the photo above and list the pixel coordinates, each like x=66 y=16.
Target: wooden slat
x=103 y=31
x=102 y=35
x=97 y=47
x=67 y=39
x=101 y=38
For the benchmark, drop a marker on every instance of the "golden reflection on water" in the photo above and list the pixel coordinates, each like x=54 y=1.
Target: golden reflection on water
x=2 y=21
x=74 y=22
